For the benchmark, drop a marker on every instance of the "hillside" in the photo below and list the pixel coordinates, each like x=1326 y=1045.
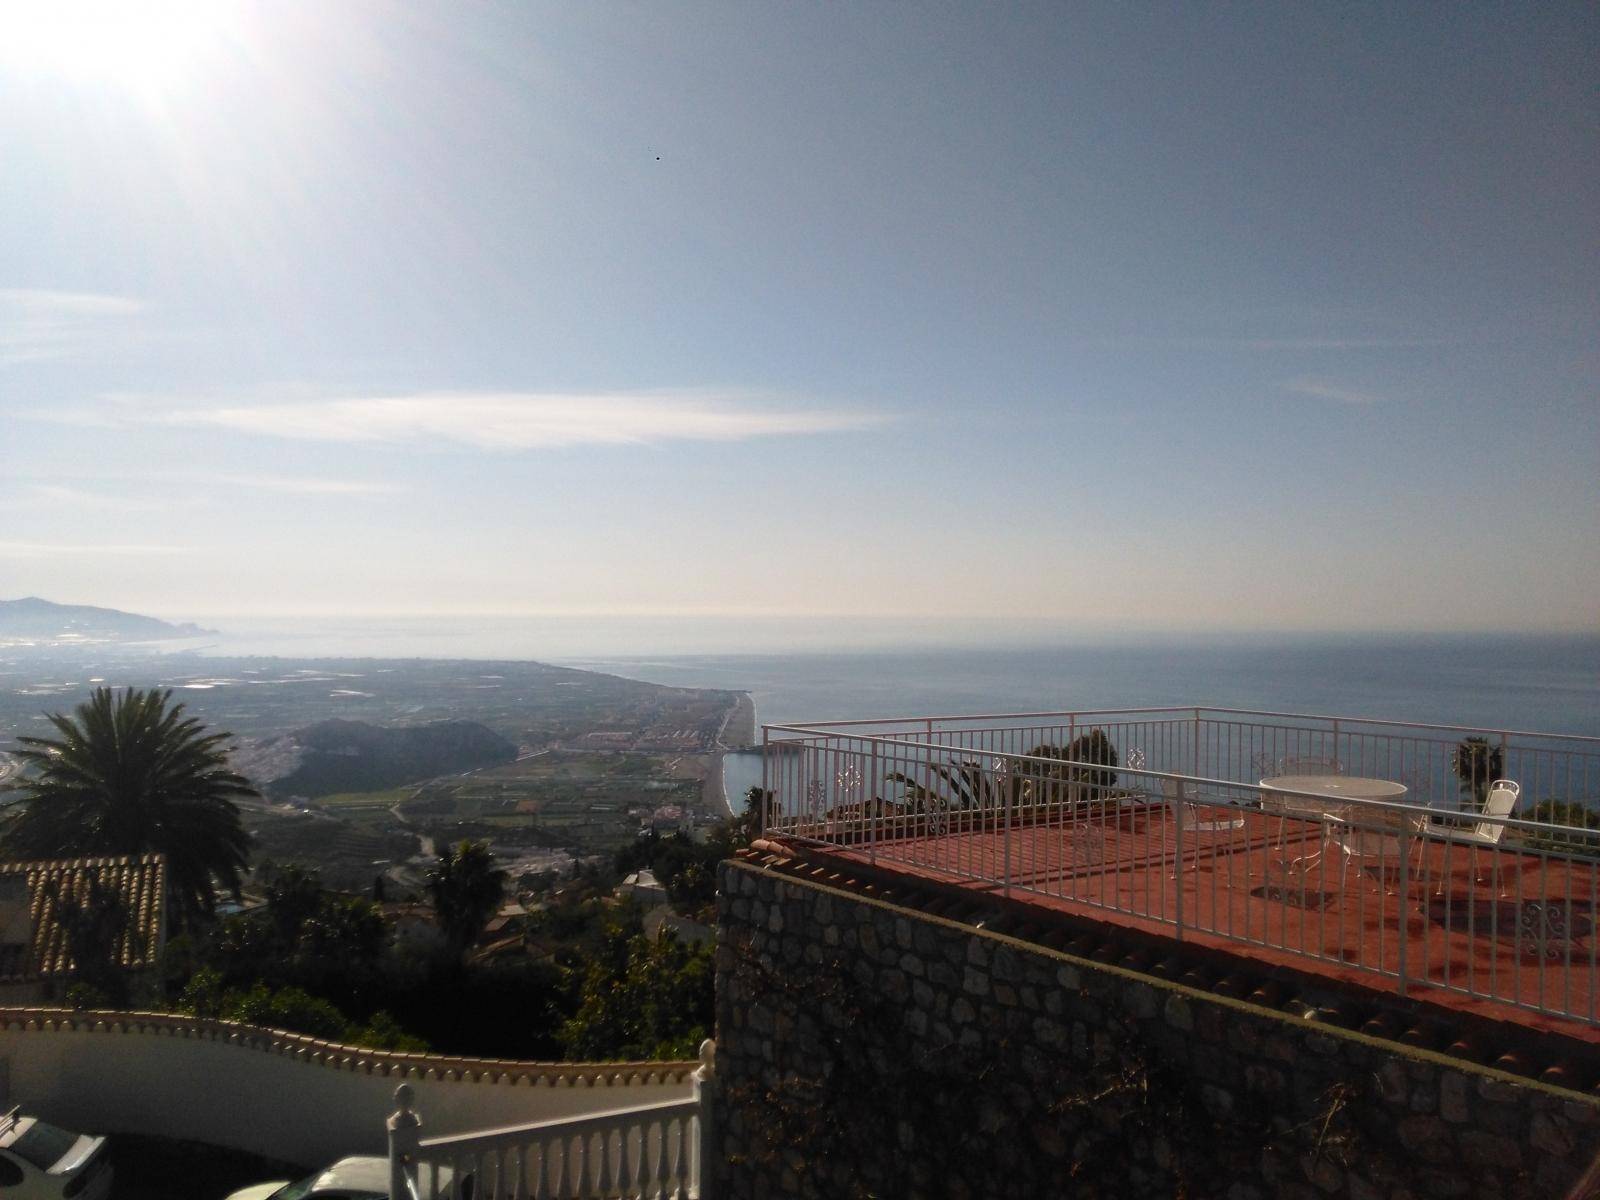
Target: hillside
x=32 y=619
x=352 y=756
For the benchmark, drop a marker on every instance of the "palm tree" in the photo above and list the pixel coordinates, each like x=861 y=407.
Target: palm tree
x=1477 y=762
x=130 y=774
x=466 y=888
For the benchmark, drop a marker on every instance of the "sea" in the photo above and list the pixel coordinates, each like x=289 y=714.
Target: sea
x=805 y=671
x=1536 y=684
x=809 y=671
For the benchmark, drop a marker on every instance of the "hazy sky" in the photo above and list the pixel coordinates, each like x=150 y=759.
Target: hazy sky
x=1120 y=315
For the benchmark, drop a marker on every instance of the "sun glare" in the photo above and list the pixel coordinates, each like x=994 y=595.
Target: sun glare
x=143 y=44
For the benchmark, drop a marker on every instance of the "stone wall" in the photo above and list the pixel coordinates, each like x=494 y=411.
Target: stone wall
x=869 y=1050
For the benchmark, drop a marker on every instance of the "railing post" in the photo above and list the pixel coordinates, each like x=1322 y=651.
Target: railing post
x=869 y=805
x=1004 y=778
x=403 y=1125
x=707 y=1155
x=1337 y=758
x=1404 y=843
x=766 y=763
x=1197 y=769
x=1179 y=799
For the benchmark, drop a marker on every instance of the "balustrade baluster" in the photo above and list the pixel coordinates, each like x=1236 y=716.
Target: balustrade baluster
x=680 y=1172
x=519 y=1185
x=658 y=1163
x=541 y=1176
x=602 y=1172
x=562 y=1186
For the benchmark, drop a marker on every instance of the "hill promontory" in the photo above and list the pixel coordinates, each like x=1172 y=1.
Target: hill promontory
x=353 y=756
x=34 y=620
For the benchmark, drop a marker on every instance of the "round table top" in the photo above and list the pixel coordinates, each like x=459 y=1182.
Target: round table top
x=1339 y=787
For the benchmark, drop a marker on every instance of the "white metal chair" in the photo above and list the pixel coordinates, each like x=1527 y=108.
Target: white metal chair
x=1500 y=802
x=1372 y=837
x=1297 y=806
x=1196 y=815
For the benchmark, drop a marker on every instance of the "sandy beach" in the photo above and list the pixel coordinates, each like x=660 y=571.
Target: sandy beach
x=738 y=732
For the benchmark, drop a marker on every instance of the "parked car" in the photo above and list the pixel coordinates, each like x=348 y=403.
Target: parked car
x=359 y=1177
x=40 y=1162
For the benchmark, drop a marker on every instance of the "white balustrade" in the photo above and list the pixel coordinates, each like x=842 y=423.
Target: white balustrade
x=646 y=1151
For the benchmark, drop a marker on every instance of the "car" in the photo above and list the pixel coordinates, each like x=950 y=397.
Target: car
x=358 y=1177
x=41 y=1162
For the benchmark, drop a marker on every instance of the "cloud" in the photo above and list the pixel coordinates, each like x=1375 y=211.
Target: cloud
x=523 y=420
x=37 y=324
x=69 y=549
x=1327 y=343
x=310 y=487
x=1321 y=390
x=38 y=497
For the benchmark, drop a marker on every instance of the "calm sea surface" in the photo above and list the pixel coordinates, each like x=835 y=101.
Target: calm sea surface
x=1545 y=684
x=1535 y=683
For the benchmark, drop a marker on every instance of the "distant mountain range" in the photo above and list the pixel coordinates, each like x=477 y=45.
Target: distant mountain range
x=353 y=756
x=33 y=619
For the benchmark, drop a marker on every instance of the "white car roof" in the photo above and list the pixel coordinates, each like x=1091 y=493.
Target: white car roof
x=359 y=1172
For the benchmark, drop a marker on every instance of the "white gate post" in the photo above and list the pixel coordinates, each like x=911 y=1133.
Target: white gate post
x=708 y=1152
x=403 y=1140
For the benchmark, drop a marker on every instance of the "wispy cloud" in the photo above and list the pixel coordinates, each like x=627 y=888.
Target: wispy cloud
x=37 y=324
x=310 y=487
x=1316 y=343
x=39 y=497
x=71 y=549
x=523 y=420
x=200 y=489
x=1279 y=344
x=1322 y=390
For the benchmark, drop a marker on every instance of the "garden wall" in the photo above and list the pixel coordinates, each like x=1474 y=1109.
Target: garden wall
x=865 y=1049
x=282 y=1096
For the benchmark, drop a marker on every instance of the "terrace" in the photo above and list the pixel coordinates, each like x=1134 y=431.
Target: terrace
x=1353 y=854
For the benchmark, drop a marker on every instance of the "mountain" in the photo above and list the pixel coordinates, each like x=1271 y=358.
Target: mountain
x=353 y=756
x=32 y=619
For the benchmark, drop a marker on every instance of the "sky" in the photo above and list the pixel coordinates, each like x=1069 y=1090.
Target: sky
x=1122 y=317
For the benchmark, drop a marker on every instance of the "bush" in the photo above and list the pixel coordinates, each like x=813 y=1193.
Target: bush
x=292 y=1009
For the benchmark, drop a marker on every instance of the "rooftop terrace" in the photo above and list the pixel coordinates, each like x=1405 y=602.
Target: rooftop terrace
x=1347 y=852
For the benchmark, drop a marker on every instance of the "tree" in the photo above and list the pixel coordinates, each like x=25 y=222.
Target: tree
x=294 y=896
x=1094 y=747
x=1477 y=763
x=967 y=785
x=466 y=888
x=129 y=773
x=643 y=999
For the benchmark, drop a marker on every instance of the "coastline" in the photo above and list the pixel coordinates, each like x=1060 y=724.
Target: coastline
x=738 y=732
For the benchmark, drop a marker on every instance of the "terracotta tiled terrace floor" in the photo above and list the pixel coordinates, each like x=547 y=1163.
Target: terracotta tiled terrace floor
x=1529 y=955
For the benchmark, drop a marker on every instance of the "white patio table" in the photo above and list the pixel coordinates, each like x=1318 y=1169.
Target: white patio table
x=1333 y=794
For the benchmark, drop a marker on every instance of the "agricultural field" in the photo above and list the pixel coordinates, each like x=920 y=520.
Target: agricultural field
x=596 y=754
x=586 y=800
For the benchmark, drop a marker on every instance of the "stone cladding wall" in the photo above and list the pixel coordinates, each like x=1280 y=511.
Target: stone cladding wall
x=869 y=1050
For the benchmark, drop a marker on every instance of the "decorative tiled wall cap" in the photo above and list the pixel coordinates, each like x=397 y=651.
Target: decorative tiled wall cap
x=316 y=1052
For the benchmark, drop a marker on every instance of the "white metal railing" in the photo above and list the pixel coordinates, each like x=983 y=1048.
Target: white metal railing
x=1241 y=745
x=1163 y=815
x=647 y=1151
